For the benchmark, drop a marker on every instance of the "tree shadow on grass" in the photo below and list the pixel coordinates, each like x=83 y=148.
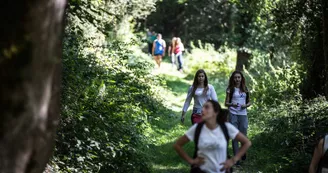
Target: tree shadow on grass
x=168 y=161
x=163 y=157
x=178 y=86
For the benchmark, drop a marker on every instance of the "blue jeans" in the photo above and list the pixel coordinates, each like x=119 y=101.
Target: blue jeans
x=241 y=123
x=180 y=61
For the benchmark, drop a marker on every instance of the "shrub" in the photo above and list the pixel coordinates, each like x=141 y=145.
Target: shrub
x=290 y=125
x=215 y=62
x=107 y=99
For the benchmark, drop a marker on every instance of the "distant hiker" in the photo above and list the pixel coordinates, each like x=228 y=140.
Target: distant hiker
x=158 y=52
x=237 y=99
x=178 y=49
x=171 y=51
x=201 y=91
x=150 y=39
x=319 y=163
x=211 y=142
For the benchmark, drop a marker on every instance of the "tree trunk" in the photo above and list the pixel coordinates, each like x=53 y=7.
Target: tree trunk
x=242 y=60
x=30 y=66
x=325 y=42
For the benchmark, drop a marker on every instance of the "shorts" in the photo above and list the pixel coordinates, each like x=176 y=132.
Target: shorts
x=196 y=118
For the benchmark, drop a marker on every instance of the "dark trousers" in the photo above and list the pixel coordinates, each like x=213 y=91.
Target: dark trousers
x=180 y=60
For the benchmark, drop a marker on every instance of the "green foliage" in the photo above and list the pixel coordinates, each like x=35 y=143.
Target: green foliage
x=272 y=84
x=105 y=110
x=290 y=132
x=215 y=62
x=111 y=102
x=290 y=125
x=107 y=91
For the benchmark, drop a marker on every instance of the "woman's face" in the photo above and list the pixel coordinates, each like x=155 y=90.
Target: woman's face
x=237 y=78
x=201 y=77
x=208 y=111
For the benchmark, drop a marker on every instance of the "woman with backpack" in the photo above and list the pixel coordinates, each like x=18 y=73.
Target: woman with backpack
x=171 y=51
x=319 y=163
x=211 y=142
x=158 y=52
x=178 y=49
x=201 y=92
x=237 y=100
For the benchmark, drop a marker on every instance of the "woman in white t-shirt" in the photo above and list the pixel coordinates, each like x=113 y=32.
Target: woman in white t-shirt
x=201 y=91
x=212 y=145
x=237 y=99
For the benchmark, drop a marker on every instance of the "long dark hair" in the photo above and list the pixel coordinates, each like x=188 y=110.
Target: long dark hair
x=243 y=87
x=221 y=113
x=195 y=84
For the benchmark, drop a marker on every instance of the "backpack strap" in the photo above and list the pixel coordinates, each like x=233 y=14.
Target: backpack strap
x=247 y=96
x=231 y=93
x=225 y=131
x=226 y=135
x=196 y=137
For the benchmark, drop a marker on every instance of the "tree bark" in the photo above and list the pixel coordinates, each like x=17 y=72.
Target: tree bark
x=325 y=42
x=242 y=60
x=30 y=66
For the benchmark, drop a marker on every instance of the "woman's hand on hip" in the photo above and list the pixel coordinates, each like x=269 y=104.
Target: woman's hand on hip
x=227 y=165
x=198 y=161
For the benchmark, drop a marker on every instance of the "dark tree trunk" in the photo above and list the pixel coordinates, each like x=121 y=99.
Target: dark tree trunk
x=325 y=41
x=242 y=60
x=30 y=67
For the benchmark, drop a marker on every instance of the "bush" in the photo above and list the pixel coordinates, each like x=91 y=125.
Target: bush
x=290 y=125
x=107 y=101
x=215 y=62
x=273 y=84
x=290 y=131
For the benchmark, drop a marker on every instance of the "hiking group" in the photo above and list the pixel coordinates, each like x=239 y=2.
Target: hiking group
x=213 y=127
x=157 y=49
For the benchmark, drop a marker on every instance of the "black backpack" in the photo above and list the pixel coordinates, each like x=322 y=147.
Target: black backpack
x=197 y=134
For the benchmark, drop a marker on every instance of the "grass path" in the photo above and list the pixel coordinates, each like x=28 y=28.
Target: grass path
x=168 y=127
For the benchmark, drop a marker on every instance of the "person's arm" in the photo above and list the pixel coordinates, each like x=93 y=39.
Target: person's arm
x=187 y=103
x=316 y=157
x=244 y=147
x=213 y=94
x=164 y=47
x=178 y=148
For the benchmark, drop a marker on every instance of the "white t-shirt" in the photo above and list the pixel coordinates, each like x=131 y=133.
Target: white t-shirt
x=200 y=98
x=239 y=98
x=212 y=146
